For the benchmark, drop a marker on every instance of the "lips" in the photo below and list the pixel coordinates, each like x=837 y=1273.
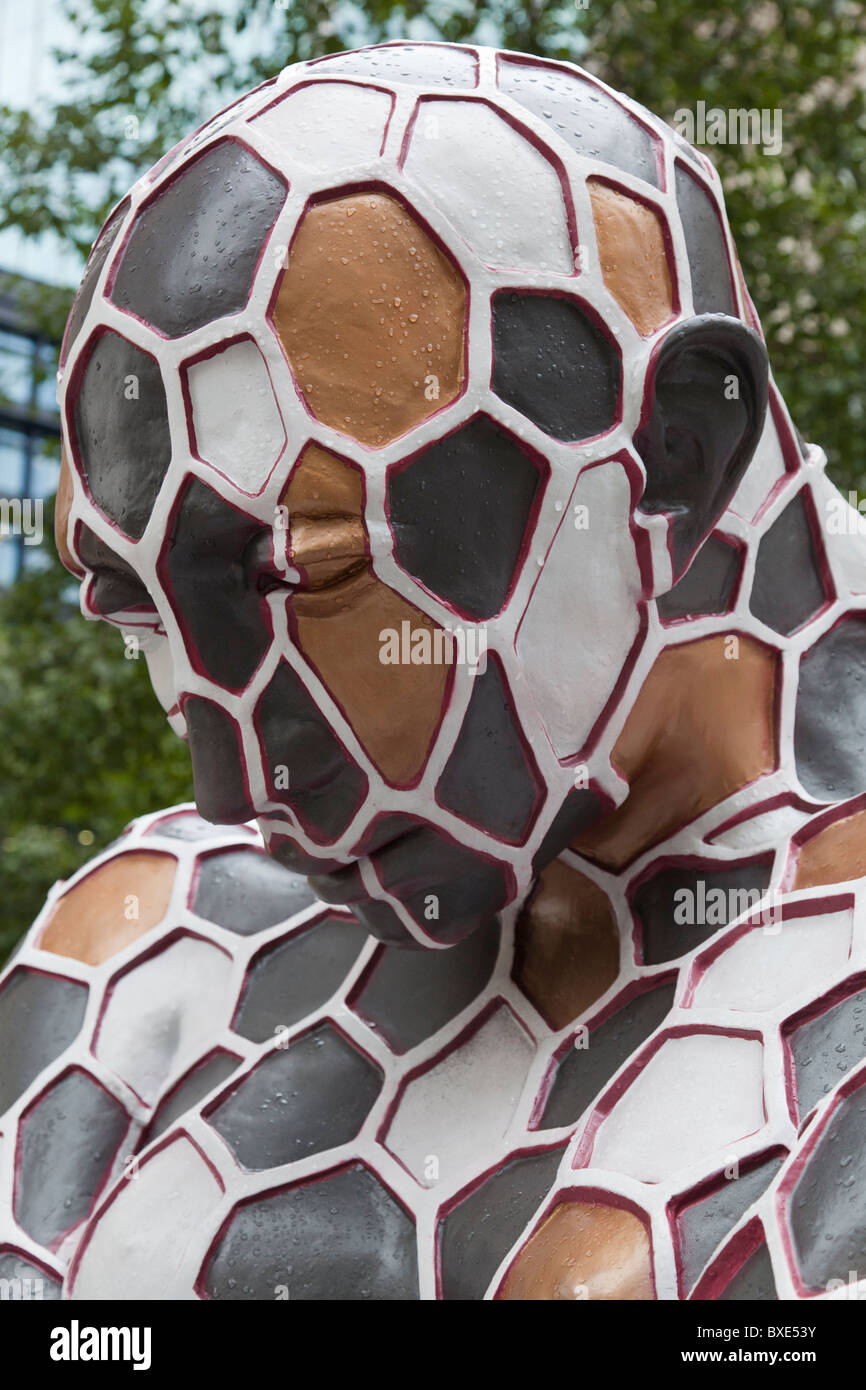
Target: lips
x=336 y=882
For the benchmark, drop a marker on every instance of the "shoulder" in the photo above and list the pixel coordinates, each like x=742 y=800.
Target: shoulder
x=135 y=942
x=127 y=979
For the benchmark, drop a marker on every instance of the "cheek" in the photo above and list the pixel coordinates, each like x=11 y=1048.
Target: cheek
x=583 y=619
x=363 y=655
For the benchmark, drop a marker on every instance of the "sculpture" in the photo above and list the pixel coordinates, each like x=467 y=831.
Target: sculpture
x=420 y=433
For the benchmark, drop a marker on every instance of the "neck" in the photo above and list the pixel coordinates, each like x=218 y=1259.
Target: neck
x=742 y=744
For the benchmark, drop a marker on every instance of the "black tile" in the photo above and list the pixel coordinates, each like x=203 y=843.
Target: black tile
x=707 y=585
x=827 y=1209
x=40 y=1015
x=712 y=289
x=326 y=786
x=490 y=778
x=830 y=718
x=679 y=907
x=554 y=364
x=308 y=1097
x=788 y=588
x=121 y=430
x=67 y=1142
x=826 y=1048
x=478 y=1233
x=583 y=1072
x=410 y=995
x=245 y=891
x=460 y=511
x=704 y=1223
x=337 y=1238
x=193 y=249
x=592 y=123
x=294 y=977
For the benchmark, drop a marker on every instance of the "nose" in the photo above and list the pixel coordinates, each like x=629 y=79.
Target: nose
x=218 y=772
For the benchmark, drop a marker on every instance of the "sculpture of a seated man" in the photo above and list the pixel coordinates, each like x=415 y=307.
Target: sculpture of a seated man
x=419 y=431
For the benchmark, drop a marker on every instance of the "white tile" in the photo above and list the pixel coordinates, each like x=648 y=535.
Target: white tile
x=696 y=1096
x=499 y=191
x=464 y=1104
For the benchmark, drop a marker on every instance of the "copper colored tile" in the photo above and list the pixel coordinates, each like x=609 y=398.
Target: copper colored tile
x=567 y=945
x=634 y=262
x=701 y=727
x=584 y=1251
x=835 y=855
x=111 y=907
x=62 y=507
x=371 y=314
x=322 y=485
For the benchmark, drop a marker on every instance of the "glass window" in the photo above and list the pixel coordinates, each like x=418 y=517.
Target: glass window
x=9 y=552
x=16 y=367
x=12 y=460
x=35 y=557
x=45 y=467
x=46 y=376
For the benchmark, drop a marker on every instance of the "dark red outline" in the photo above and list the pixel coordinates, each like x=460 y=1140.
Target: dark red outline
x=667 y=242
x=764 y=858
x=118 y=252
x=728 y=1263
x=541 y=790
x=101 y=330
x=265 y=1193
x=586 y=1196
x=469 y=1030
x=154 y=949
x=709 y=192
x=728 y=937
x=516 y=59
x=196 y=661
x=740 y=549
x=592 y=314
x=593 y=1019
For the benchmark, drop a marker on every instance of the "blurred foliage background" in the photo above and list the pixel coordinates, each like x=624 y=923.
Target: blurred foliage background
x=84 y=744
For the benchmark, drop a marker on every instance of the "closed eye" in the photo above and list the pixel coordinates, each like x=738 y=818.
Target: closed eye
x=323 y=551
x=327 y=550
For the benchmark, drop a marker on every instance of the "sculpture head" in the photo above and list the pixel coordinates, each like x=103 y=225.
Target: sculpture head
x=390 y=400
